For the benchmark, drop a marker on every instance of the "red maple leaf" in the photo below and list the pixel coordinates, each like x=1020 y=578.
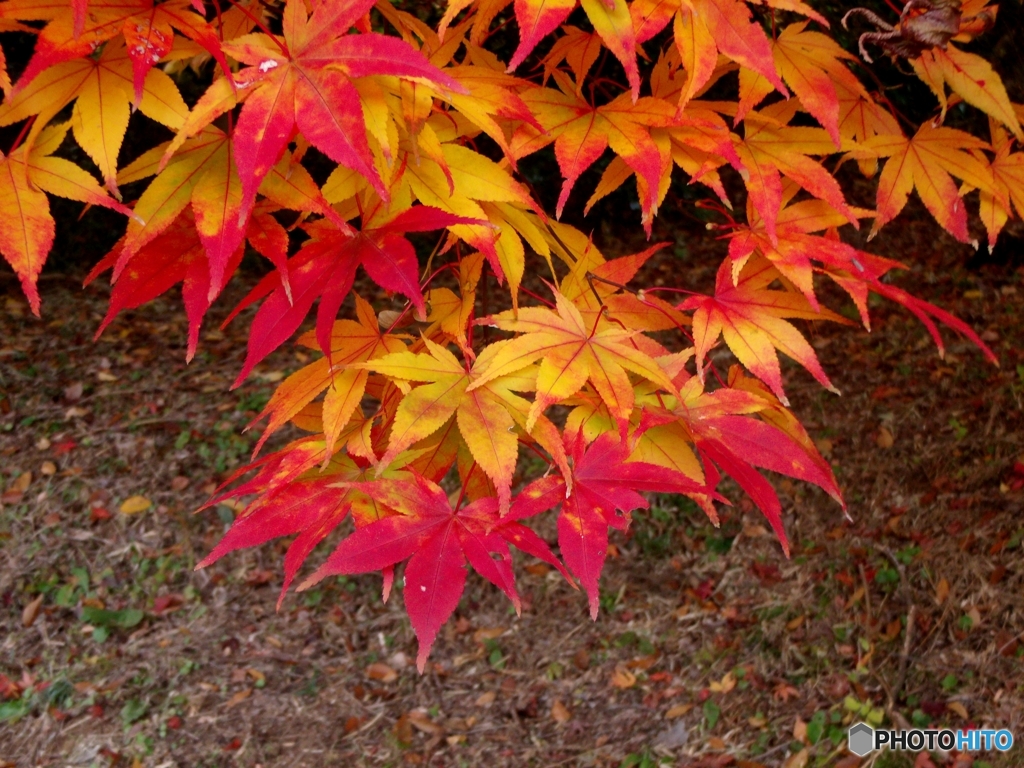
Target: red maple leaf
x=304 y=82
x=325 y=268
x=437 y=540
x=600 y=495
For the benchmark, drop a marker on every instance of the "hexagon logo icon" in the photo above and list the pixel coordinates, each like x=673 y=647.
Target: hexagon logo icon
x=861 y=739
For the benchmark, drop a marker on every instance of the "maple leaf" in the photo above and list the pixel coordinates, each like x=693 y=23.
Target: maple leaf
x=595 y=287
x=926 y=162
x=297 y=502
x=924 y=311
x=610 y=18
x=771 y=147
x=861 y=118
x=175 y=256
x=704 y=28
x=310 y=508
x=351 y=341
x=723 y=431
x=972 y=78
x=325 y=268
x=795 y=247
x=699 y=141
x=27 y=234
x=604 y=491
x=572 y=353
x=750 y=318
x=1007 y=170
x=203 y=175
x=100 y=89
x=811 y=63
x=484 y=415
x=450 y=315
x=438 y=541
x=578 y=49
x=581 y=134
x=465 y=184
x=489 y=97
x=148 y=30
x=304 y=81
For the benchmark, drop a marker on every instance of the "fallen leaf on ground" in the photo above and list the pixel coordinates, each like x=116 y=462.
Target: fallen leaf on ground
x=623 y=678
x=21 y=483
x=560 y=713
x=403 y=729
x=490 y=633
x=958 y=708
x=64 y=446
x=678 y=711
x=784 y=692
x=726 y=684
x=382 y=672
x=31 y=612
x=167 y=603
x=884 y=439
x=421 y=720
x=133 y=505
x=238 y=698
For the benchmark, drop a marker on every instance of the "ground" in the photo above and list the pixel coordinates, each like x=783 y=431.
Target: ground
x=711 y=648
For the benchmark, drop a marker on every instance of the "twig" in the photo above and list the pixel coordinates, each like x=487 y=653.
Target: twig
x=867 y=597
x=1008 y=643
x=908 y=640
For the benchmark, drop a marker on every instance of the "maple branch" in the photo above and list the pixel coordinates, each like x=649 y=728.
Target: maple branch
x=590 y=281
x=881 y=94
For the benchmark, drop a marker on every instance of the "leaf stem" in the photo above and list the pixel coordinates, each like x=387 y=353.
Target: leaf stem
x=462 y=492
x=21 y=135
x=541 y=299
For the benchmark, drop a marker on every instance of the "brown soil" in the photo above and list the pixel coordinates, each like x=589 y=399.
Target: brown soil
x=711 y=649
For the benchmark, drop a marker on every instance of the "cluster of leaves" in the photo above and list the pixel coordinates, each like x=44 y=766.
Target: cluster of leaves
x=613 y=389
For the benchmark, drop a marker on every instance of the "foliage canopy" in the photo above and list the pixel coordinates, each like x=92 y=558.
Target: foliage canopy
x=578 y=388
